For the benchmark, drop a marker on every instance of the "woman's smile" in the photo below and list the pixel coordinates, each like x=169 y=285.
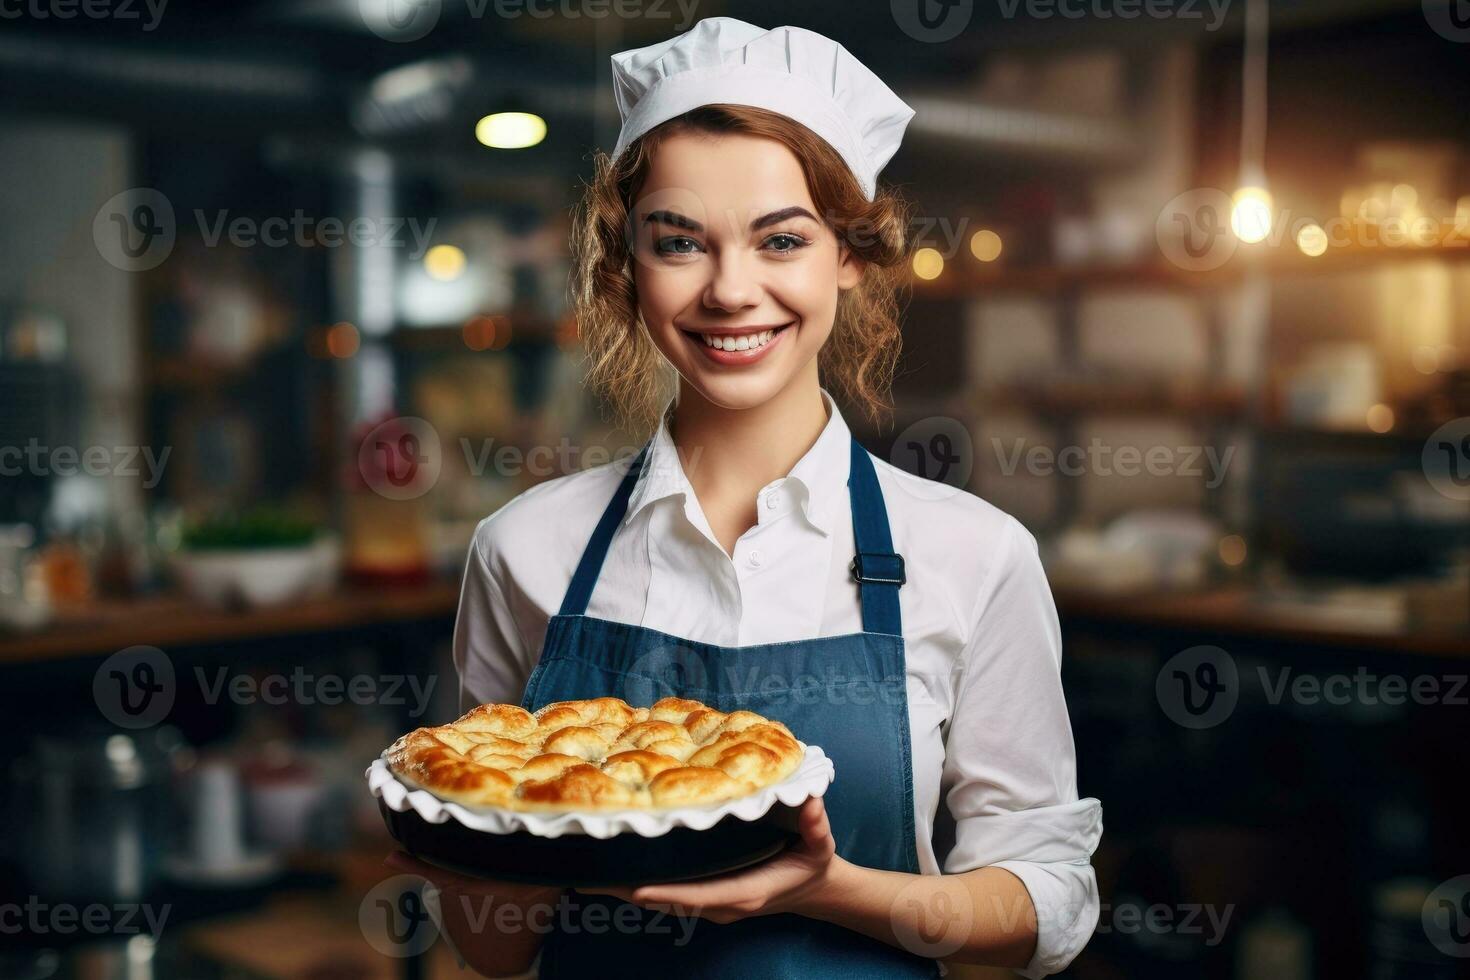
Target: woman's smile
x=737 y=348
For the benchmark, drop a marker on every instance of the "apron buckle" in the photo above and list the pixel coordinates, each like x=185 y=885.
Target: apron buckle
x=871 y=566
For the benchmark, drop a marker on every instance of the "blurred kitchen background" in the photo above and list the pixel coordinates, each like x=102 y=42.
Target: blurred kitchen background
x=283 y=315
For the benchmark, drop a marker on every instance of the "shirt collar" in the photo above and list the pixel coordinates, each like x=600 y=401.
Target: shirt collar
x=820 y=475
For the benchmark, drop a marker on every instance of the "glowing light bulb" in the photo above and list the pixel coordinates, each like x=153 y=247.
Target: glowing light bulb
x=510 y=130
x=1250 y=214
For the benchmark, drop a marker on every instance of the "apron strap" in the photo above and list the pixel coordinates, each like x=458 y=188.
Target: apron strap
x=876 y=567
x=579 y=593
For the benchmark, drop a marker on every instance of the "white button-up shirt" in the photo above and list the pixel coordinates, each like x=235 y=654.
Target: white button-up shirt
x=994 y=764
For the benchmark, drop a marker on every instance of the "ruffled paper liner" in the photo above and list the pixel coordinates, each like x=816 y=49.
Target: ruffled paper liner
x=811 y=778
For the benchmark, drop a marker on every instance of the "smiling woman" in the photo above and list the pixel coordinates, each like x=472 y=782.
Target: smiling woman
x=734 y=262
x=774 y=208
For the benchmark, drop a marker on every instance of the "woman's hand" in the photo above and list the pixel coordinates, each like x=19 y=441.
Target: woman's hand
x=788 y=882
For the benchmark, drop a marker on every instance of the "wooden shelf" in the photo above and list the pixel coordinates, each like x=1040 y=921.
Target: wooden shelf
x=1241 y=611
x=1121 y=398
x=1350 y=258
x=173 y=621
x=1304 y=433
x=965 y=278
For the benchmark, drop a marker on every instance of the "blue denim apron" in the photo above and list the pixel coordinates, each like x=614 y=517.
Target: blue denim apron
x=844 y=693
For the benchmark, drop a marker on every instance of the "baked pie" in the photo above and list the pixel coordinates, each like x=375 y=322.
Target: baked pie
x=597 y=754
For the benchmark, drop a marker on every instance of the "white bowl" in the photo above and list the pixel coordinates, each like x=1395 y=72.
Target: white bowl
x=258 y=577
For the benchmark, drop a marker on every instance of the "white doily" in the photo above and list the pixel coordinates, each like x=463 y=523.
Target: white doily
x=811 y=778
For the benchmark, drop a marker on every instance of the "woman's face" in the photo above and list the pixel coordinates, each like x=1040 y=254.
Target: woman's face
x=736 y=277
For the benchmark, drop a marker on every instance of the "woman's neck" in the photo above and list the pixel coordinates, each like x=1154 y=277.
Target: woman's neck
x=729 y=454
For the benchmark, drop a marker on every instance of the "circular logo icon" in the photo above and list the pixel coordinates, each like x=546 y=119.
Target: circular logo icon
x=669 y=670
x=1446 y=459
x=134 y=231
x=134 y=688
x=1447 y=917
x=1193 y=230
x=400 y=459
x=937 y=448
x=400 y=20
x=1450 y=19
x=1199 y=687
x=932 y=21
x=936 y=921
x=395 y=918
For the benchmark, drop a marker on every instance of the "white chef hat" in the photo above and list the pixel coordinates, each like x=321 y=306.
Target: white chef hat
x=796 y=72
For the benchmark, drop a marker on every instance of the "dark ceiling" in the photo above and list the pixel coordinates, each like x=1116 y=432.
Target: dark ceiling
x=567 y=42
x=303 y=72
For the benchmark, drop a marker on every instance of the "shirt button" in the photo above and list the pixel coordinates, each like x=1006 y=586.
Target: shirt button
x=770 y=500
x=753 y=559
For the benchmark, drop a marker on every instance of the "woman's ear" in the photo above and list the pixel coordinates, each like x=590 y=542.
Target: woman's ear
x=849 y=267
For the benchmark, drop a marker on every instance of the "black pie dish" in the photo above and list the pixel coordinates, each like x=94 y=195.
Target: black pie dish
x=580 y=860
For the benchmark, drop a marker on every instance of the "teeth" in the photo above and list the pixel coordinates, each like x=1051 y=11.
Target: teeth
x=742 y=342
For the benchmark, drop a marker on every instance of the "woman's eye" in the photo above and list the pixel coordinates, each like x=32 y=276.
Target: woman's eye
x=677 y=245
x=786 y=242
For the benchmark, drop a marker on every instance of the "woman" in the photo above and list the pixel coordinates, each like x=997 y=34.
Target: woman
x=737 y=242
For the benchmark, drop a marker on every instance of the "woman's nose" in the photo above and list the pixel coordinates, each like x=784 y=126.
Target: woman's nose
x=733 y=284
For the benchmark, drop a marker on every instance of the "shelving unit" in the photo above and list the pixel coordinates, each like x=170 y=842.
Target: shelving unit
x=172 y=621
x=969 y=279
x=1254 y=412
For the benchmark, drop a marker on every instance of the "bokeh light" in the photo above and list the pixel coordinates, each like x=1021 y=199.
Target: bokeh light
x=1312 y=240
x=985 y=245
x=510 y=130
x=928 y=263
x=444 y=262
x=1250 y=214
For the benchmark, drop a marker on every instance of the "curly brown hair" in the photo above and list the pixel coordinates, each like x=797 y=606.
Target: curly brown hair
x=624 y=365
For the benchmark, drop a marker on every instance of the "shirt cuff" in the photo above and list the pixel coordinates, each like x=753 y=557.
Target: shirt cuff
x=1050 y=849
x=1067 y=910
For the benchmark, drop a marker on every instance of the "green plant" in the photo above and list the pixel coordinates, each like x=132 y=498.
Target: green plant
x=255 y=528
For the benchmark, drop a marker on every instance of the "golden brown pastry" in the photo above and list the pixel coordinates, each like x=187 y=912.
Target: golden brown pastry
x=597 y=754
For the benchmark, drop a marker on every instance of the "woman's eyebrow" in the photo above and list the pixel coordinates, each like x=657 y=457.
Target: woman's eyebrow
x=680 y=221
